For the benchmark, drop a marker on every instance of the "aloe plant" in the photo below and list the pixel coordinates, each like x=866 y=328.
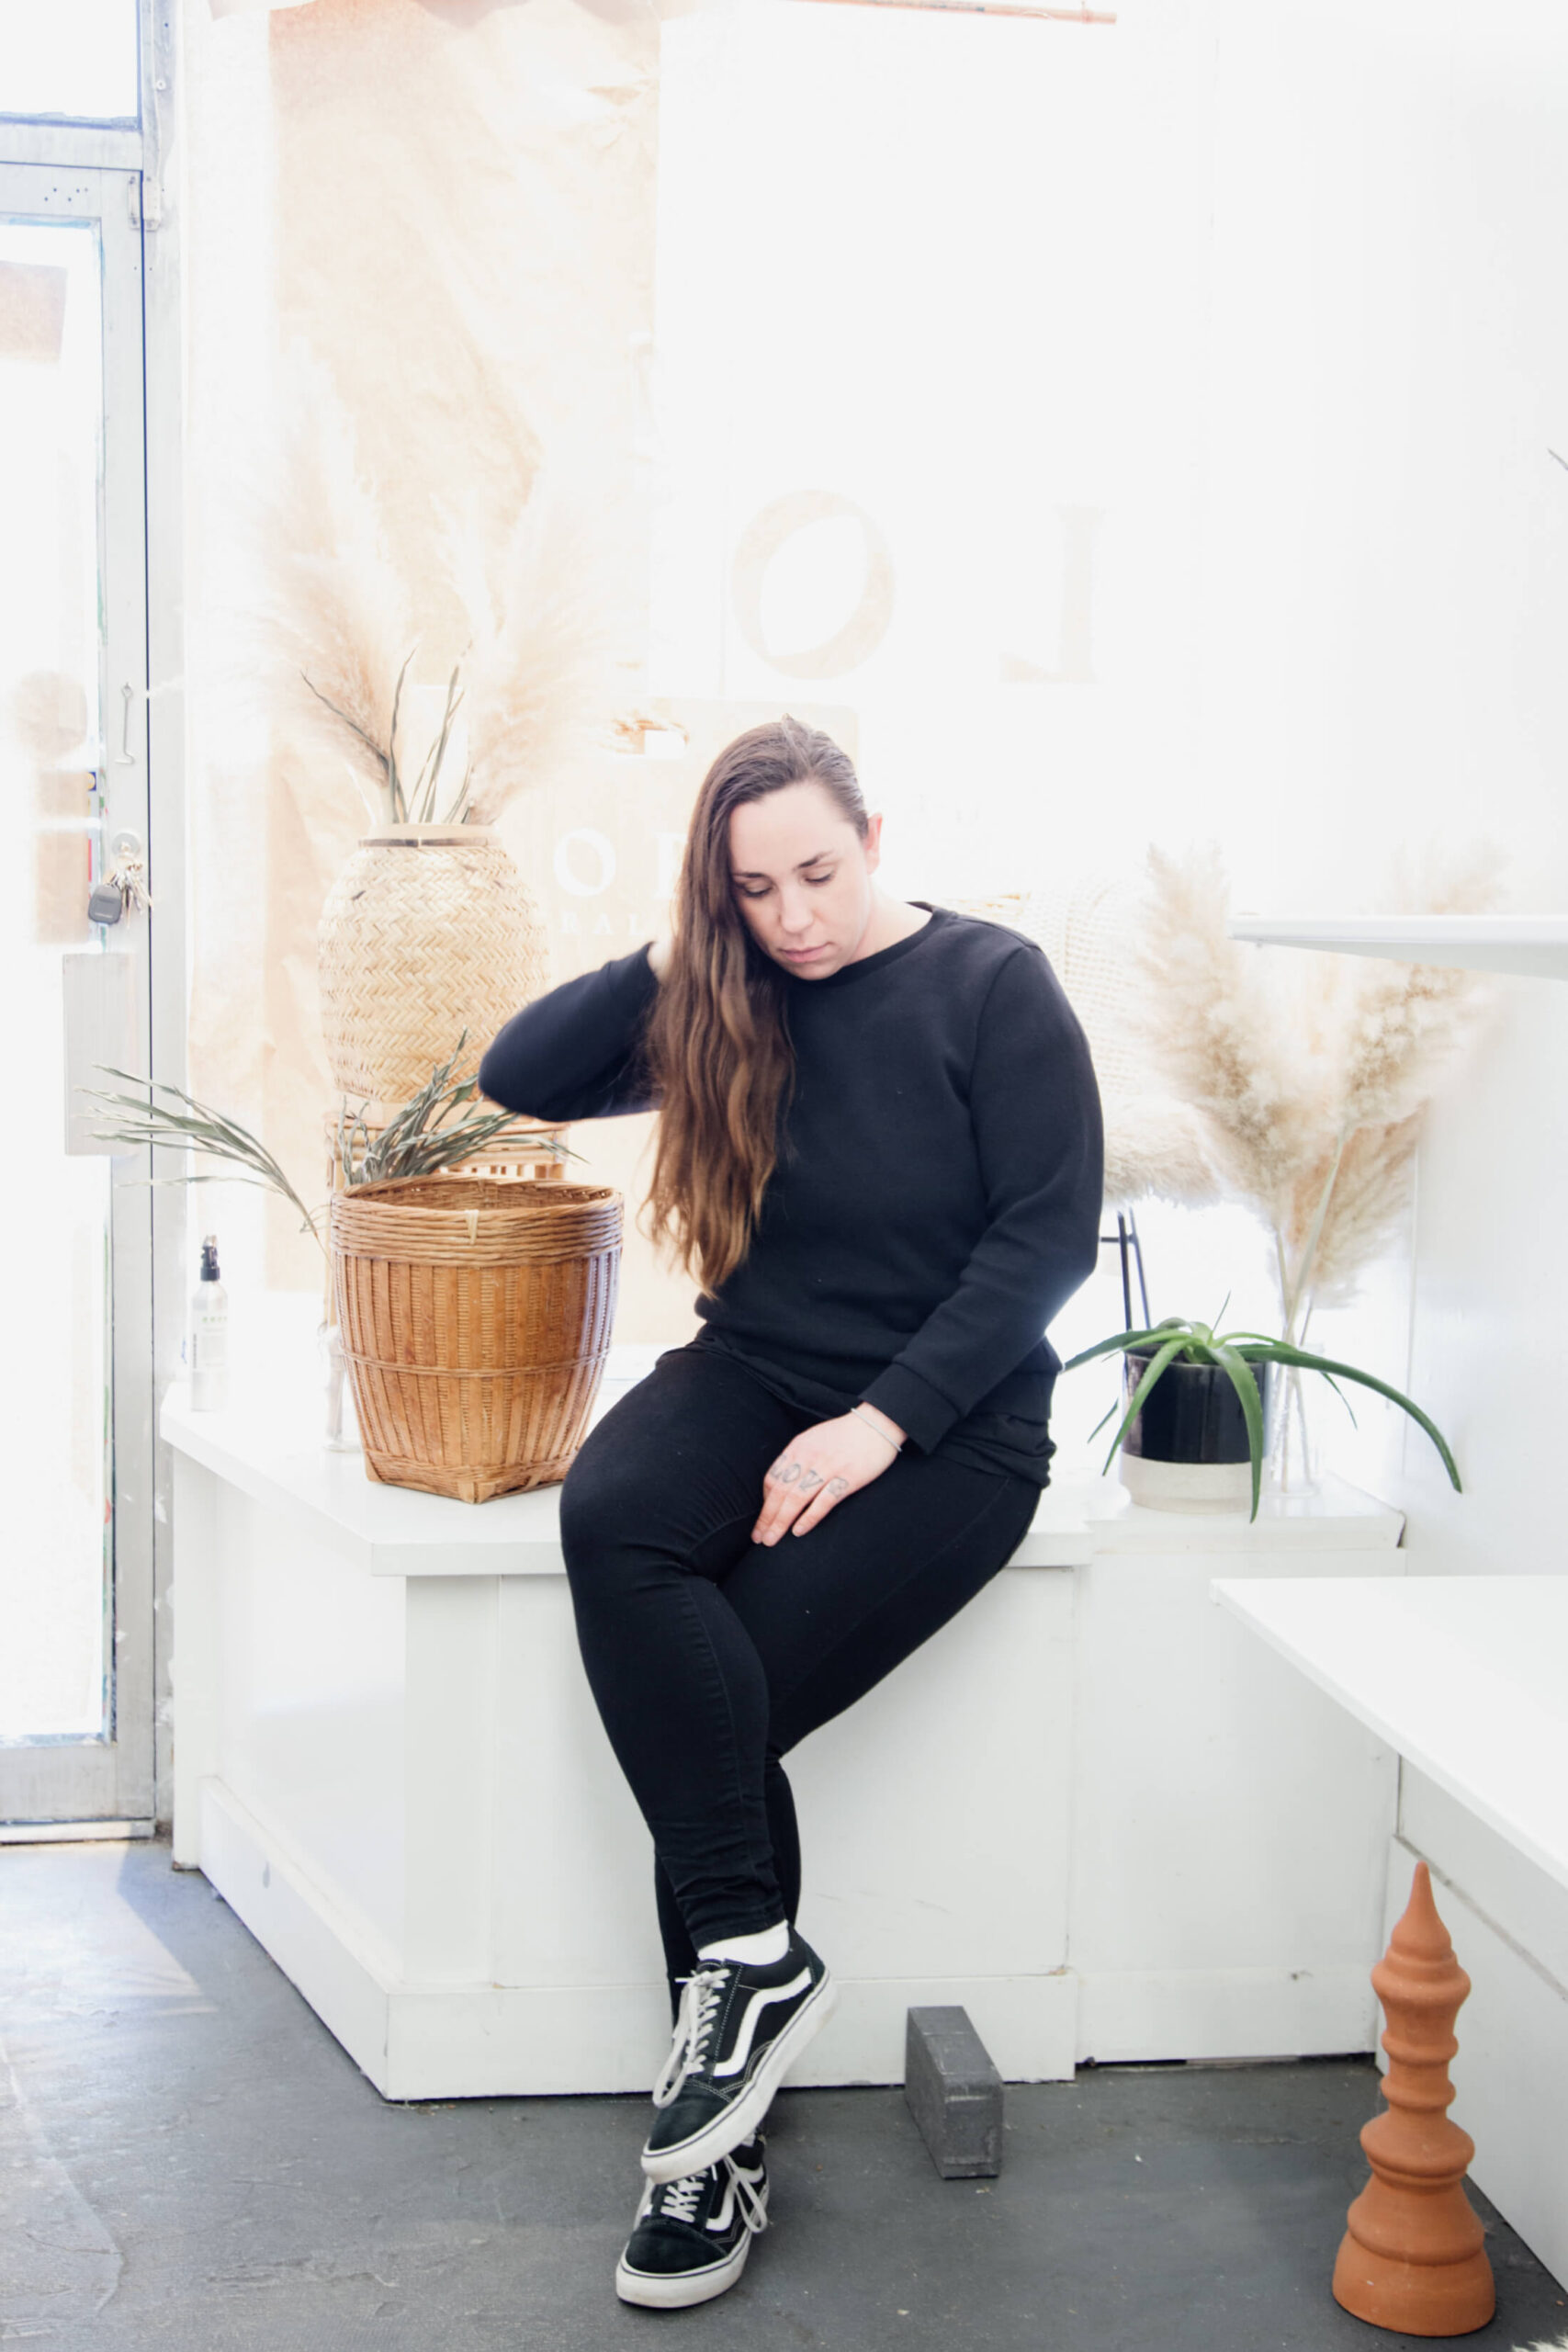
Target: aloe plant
x=1177 y=1338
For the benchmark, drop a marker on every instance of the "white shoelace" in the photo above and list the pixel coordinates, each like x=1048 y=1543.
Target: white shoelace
x=753 y=2203
x=680 y=2197
x=698 y=2015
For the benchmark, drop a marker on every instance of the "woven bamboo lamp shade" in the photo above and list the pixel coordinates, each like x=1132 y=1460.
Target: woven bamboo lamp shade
x=428 y=931
x=476 y=1318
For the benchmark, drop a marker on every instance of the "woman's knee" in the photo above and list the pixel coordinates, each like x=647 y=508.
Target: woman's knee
x=597 y=1509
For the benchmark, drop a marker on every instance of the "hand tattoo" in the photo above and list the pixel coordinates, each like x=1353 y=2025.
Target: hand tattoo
x=786 y=1472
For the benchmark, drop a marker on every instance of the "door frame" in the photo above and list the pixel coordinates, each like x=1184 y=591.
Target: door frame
x=120 y=1784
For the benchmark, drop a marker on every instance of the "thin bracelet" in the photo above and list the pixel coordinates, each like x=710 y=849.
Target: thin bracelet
x=898 y=1447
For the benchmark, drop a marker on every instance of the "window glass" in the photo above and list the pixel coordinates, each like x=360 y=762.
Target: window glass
x=54 y=1439
x=76 y=58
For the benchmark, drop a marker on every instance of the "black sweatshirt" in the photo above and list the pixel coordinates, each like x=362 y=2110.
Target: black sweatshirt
x=937 y=1196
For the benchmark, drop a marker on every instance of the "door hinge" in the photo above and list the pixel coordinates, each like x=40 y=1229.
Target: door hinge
x=146 y=202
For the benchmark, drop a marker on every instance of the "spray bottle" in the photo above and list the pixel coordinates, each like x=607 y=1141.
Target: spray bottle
x=209 y=1335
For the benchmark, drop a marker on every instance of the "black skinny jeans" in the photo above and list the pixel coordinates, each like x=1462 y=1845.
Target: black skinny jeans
x=710 y=1657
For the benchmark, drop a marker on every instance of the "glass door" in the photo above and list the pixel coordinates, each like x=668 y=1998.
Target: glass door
x=76 y=1433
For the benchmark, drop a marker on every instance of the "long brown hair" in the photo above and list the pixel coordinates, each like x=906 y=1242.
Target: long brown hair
x=718 y=1045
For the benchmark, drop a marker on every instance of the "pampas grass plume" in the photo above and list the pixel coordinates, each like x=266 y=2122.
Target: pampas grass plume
x=537 y=671
x=336 y=612
x=1310 y=1072
x=337 y=629
x=1216 y=1027
x=1407 y=1022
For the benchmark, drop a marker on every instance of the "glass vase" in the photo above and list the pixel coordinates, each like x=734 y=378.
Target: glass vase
x=1295 y=1462
x=340 y=1432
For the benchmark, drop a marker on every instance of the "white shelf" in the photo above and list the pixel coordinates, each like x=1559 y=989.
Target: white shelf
x=1533 y=944
x=267 y=1443
x=1463 y=1675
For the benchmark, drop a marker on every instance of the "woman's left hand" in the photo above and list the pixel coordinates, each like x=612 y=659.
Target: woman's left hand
x=819 y=1467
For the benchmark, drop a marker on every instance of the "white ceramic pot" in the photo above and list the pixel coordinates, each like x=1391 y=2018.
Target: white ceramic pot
x=1186 y=1485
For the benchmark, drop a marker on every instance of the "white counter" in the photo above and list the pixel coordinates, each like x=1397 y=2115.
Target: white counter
x=1092 y=1810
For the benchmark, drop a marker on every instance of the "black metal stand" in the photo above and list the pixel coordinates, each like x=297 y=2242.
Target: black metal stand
x=1129 y=1247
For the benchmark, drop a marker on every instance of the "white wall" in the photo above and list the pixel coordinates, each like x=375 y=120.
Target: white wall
x=1387 y=614
x=1388 y=536
x=1270 y=289
x=953 y=269
x=1274 y=291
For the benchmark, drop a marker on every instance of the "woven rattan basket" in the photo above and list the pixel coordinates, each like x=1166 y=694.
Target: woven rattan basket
x=428 y=931
x=476 y=1318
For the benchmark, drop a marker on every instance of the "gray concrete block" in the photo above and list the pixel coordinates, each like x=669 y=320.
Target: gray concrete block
x=954 y=2094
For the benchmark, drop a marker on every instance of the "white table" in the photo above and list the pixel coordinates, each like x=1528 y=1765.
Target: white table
x=1466 y=1676
x=1467 y=1679
x=1065 y=1814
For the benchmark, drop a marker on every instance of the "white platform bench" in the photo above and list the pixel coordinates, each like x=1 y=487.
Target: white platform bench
x=1093 y=1812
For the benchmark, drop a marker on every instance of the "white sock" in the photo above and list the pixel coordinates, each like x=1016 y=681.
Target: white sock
x=771 y=1944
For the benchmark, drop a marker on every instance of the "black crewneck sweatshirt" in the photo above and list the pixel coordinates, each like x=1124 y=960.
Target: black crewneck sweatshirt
x=938 y=1191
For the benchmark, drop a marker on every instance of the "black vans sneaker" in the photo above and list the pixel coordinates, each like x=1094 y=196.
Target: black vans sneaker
x=739 y=2029
x=692 y=2236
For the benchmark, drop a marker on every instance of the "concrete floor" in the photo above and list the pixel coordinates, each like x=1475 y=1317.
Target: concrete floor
x=188 y=2163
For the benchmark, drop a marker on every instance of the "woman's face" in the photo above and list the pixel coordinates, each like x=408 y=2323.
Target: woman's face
x=801 y=875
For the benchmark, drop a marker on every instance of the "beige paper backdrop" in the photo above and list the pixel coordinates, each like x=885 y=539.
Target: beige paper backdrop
x=453 y=205
x=850 y=471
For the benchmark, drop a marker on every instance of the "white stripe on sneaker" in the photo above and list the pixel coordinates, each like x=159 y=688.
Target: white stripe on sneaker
x=746 y=2110
x=759 y=1999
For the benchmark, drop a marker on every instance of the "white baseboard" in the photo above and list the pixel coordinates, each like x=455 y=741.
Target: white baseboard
x=1224 y=2013
x=344 y=1977
x=475 y=2040
x=73 y=1833
x=1025 y=2022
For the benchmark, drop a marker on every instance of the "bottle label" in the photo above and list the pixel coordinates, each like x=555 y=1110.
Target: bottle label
x=209 y=1343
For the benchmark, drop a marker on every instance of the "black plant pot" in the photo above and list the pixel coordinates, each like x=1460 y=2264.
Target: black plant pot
x=1195 y=1414
x=1194 y=1423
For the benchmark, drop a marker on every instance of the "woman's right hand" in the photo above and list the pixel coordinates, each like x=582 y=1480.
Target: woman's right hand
x=659 y=959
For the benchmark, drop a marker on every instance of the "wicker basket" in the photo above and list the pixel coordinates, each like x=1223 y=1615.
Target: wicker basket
x=475 y=1319
x=428 y=931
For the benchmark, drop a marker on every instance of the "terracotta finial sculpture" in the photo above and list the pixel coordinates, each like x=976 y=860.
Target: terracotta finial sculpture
x=1413 y=2257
